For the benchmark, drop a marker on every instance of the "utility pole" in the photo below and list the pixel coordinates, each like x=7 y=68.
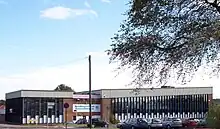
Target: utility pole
x=90 y=94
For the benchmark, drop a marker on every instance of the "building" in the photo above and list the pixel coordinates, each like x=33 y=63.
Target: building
x=2 y=113
x=216 y=101
x=25 y=105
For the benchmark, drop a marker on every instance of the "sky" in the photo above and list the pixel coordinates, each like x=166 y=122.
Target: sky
x=45 y=43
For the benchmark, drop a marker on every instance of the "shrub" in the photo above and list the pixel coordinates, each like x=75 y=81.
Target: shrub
x=213 y=118
x=113 y=120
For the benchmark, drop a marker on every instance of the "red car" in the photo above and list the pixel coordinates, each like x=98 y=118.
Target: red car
x=189 y=122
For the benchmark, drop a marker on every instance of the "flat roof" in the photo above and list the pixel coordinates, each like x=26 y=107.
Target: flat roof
x=111 y=93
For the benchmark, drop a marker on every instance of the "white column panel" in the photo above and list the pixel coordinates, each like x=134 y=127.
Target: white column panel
x=135 y=115
x=141 y=115
x=41 y=120
x=119 y=117
x=57 y=120
x=126 y=117
x=52 y=118
x=202 y=115
x=129 y=115
x=28 y=119
x=60 y=118
x=122 y=116
x=116 y=116
x=168 y=115
x=32 y=120
x=24 y=120
x=36 y=119
x=45 y=119
x=146 y=115
x=49 y=120
x=163 y=115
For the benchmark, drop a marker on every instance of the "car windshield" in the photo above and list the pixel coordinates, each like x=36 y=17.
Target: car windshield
x=176 y=119
x=143 y=120
x=156 y=120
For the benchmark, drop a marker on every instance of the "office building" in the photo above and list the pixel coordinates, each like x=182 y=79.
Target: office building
x=31 y=106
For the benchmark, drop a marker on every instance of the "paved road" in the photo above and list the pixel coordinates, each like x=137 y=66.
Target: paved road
x=6 y=126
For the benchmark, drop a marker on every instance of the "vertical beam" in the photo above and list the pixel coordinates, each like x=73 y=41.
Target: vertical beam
x=90 y=94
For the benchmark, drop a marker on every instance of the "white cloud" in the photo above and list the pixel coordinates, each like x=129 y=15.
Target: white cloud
x=3 y=2
x=106 y=1
x=87 y=4
x=76 y=75
x=62 y=13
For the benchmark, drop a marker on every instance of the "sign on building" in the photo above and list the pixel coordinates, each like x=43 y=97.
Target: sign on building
x=78 y=96
x=85 y=108
x=50 y=105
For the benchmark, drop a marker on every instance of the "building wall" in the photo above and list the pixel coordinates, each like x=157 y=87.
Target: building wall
x=13 y=112
x=122 y=103
x=106 y=109
x=195 y=106
x=39 y=94
x=117 y=93
x=72 y=116
x=2 y=118
x=36 y=109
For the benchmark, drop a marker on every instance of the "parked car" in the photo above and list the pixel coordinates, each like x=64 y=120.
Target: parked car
x=172 y=122
x=134 y=123
x=81 y=121
x=96 y=122
x=119 y=124
x=190 y=122
x=154 y=123
x=202 y=123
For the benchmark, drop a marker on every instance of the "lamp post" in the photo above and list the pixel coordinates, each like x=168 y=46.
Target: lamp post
x=90 y=94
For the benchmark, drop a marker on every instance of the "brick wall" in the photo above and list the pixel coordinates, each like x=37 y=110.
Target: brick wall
x=210 y=98
x=106 y=109
x=72 y=101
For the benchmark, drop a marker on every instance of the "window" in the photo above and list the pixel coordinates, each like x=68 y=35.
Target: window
x=74 y=117
x=156 y=121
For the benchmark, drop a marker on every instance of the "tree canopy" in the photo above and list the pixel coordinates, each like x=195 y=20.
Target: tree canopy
x=63 y=87
x=163 y=39
x=213 y=118
x=2 y=102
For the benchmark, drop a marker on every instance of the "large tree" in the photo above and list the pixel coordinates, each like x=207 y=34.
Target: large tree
x=63 y=87
x=162 y=39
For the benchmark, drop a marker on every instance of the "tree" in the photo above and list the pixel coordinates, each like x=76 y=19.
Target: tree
x=163 y=39
x=63 y=87
x=2 y=102
x=213 y=118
